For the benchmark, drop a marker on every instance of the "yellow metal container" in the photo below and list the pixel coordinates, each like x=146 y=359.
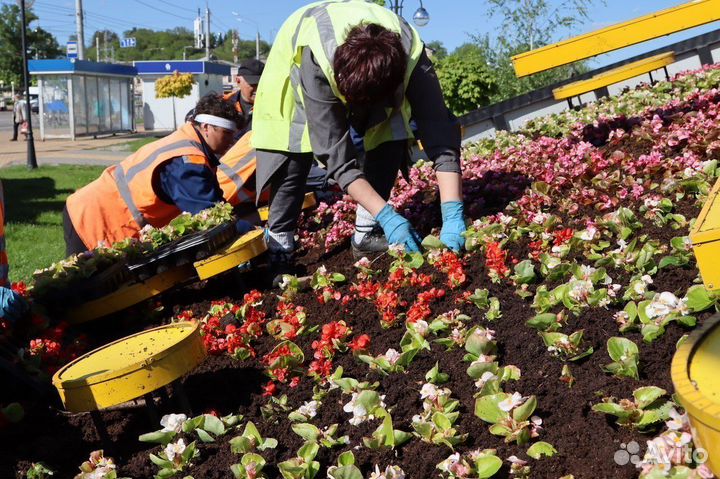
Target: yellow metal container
x=130 y=295
x=695 y=376
x=130 y=367
x=705 y=238
x=242 y=250
x=308 y=202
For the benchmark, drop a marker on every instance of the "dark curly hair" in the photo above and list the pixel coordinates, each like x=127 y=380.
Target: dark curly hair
x=370 y=65
x=213 y=104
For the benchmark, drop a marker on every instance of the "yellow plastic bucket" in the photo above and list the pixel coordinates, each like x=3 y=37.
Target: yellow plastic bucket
x=695 y=376
x=130 y=367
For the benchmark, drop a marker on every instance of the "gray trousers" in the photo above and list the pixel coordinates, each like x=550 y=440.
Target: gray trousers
x=286 y=173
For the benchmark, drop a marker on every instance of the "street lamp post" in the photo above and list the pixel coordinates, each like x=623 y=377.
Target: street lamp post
x=257 y=32
x=31 y=159
x=421 y=17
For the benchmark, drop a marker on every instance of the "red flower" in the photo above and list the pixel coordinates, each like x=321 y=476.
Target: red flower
x=563 y=236
x=20 y=288
x=495 y=259
x=359 y=343
x=269 y=389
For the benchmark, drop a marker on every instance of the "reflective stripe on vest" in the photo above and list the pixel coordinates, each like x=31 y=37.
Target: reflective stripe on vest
x=123 y=187
x=135 y=169
x=233 y=173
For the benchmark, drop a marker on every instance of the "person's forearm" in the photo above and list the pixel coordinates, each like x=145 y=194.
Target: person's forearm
x=363 y=193
x=450 y=186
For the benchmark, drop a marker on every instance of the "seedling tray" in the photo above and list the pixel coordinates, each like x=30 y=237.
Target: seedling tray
x=190 y=248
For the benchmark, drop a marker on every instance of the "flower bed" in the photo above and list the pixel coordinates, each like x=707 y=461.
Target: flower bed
x=543 y=351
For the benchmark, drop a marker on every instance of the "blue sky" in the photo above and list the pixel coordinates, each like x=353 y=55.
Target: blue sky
x=451 y=20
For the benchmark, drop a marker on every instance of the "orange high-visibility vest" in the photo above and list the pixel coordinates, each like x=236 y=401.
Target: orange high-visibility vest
x=236 y=172
x=234 y=97
x=3 y=254
x=124 y=199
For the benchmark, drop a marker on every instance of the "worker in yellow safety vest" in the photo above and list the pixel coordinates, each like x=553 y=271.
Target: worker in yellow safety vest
x=351 y=64
x=12 y=305
x=155 y=184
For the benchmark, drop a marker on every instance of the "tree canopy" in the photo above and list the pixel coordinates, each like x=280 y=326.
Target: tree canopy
x=41 y=44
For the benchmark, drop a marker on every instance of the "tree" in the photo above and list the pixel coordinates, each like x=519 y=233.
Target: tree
x=41 y=43
x=466 y=81
x=439 y=50
x=526 y=25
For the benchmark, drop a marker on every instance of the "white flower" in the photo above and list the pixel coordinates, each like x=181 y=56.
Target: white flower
x=457 y=336
x=516 y=460
x=392 y=356
x=429 y=391
x=174 y=450
x=677 y=421
x=586 y=271
x=486 y=376
x=421 y=327
x=309 y=409
x=363 y=262
x=588 y=234
x=390 y=472
x=580 y=289
x=511 y=402
x=489 y=334
x=647 y=279
x=173 y=422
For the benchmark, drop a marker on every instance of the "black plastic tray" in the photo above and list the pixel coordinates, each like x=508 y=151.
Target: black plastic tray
x=187 y=249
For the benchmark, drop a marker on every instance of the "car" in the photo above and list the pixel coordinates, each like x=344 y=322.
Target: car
x=34 y=104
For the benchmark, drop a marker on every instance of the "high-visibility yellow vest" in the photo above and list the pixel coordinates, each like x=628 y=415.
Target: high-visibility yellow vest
x=279 y=120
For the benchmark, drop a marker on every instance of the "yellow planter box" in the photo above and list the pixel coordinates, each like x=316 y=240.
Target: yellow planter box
x=705 y=238
x=130 y=367
x=697 y=385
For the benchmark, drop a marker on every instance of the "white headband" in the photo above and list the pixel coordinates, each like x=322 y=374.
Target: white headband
x=216 y=121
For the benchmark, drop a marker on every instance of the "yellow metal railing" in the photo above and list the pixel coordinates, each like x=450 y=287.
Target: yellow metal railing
x=613 y=76
x=658 y=24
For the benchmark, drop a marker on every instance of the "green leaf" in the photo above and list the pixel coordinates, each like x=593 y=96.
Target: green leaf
x=487 y=465
x=307 y=431
x=611 y=408
x=346 y=472
x=204 y=436
x=486 y=408
x=645 y=396
x=158 y=437
x=619 y=347
x=160 y=462
x=544 y=322
x=431 y=242
x=441 y=421
x=347 y=458
x=435 y=376
x=698 y=299
x=524 y=272
x=525 y=410
x=214 y=425
x=387 y=430
x=539 y=449
x=308 y=451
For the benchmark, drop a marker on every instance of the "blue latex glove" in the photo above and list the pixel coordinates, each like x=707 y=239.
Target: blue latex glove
x=242 y=226
x=453 y=225
x=12 y=305
x=398 y=230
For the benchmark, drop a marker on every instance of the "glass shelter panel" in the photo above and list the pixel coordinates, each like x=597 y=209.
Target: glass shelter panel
x=55 y=105
x=104 y=104
x=93 y=107
x=115 y=105
x=126 y=104
x=79 y=104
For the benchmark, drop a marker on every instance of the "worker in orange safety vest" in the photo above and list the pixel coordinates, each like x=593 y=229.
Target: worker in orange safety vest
x=157 y=183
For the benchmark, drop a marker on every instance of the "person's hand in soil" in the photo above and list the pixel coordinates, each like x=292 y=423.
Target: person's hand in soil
x=398 y=230
x=453 y=226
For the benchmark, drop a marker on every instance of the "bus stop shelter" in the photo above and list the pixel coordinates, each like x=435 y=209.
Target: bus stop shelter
x=81 y=98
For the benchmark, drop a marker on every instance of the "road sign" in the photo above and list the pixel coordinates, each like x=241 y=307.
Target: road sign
x=72 y=49
x=127 y=43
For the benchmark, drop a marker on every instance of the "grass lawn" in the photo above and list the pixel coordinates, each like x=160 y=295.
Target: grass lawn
x=134 y=145
x=34 y=201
